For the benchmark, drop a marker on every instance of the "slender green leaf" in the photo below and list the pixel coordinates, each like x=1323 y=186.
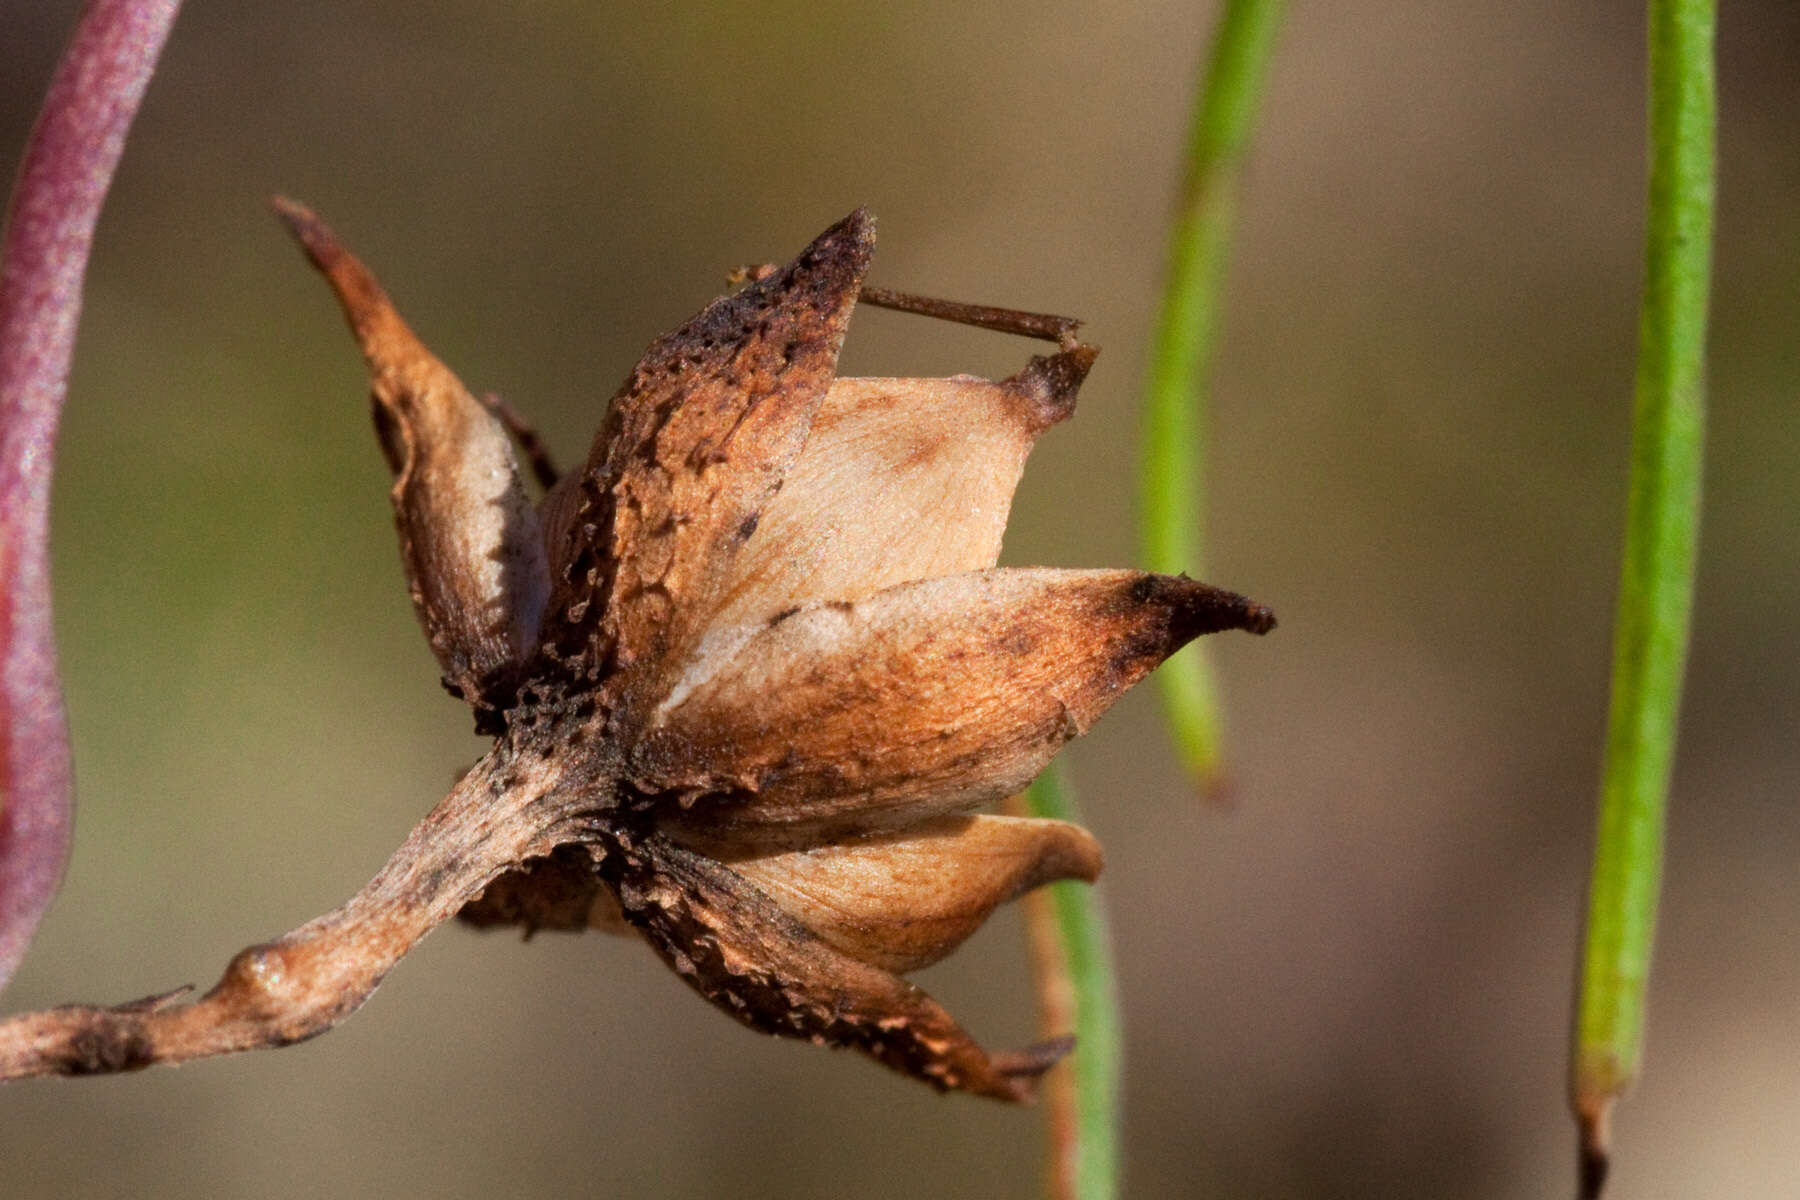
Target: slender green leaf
x=1656 y=582
x=1171 y=508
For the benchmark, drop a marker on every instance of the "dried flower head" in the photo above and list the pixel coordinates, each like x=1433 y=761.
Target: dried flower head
x=751 y=671
x=761 y=632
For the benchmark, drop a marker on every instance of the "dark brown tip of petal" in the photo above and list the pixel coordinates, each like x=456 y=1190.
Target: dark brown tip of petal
x=1023 y=1068
x=314 y=236
x=838 y=258
x=365 y=304
x=1049 y=383
x=1197 y=608
x=1072 y=853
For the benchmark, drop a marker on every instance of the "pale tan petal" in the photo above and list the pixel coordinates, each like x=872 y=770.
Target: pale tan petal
x=933 y=696
x=733 y=945
x=692 y=451
x=905 y=899
x=469 y=539
x=900 y=479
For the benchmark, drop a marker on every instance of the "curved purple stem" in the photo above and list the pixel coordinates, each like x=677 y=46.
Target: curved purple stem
x=68 y=166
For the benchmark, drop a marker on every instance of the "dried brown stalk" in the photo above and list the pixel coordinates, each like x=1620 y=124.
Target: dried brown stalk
x=1056 y=1012
x=303 y=983
x=750 y=671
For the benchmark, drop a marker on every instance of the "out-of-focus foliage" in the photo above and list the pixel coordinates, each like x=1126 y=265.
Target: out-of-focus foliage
x=1177 y=390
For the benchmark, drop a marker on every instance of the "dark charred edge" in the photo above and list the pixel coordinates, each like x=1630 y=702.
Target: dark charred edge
x=492 y=695
x=843 y=250
x=555 y=893
x=803 y=988
x=1030 y=1062
x=826 y=278
x=497 y=697
x=827 y=275
x=1197 y=608
x=1049 y=384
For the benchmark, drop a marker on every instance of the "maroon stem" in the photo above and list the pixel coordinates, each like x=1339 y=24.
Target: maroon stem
x=68 y=166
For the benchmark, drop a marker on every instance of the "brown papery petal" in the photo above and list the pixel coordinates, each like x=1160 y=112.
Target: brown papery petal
x=901 y=479
x=903 y=900
x=692 y=451
x=928 y=697
x=734 y=946
x=469 y=539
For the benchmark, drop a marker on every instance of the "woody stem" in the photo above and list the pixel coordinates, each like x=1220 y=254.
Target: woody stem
x=306 y=981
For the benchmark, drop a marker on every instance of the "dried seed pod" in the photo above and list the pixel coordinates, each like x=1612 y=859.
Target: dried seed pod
x=746 y=668
x=755 y=655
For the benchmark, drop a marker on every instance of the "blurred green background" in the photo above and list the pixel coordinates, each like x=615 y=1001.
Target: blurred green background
x=1355 y=983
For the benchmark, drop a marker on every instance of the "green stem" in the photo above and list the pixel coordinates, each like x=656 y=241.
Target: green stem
x=1656 y=582
x=1186 y=335
x=1087 y=961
